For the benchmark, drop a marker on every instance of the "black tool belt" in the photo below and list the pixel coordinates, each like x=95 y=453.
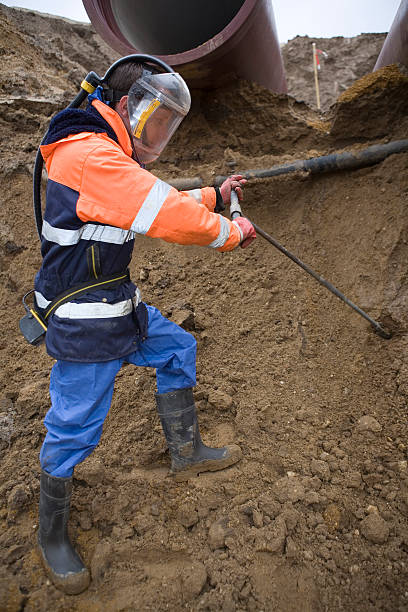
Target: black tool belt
x=34 y=323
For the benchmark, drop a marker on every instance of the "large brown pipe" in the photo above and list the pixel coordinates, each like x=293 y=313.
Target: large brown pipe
x=208 y=42
x=395 y=47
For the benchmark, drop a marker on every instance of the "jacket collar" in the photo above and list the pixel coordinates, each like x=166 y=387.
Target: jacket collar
x=116 y=123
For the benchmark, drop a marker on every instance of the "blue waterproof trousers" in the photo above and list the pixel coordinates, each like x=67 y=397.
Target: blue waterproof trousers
x=81 y=393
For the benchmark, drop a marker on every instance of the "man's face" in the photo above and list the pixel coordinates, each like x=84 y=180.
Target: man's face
x=154 y=132
x=157 y=127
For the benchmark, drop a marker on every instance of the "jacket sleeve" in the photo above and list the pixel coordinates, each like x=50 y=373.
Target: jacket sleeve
x=205 y=195
x=116 y=191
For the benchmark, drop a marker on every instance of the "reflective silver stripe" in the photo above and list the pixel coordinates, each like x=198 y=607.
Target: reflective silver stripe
x=137 y=298
x=150 y=207
x=94 y=310
x=106 y=233
x=196 y=194
x=91 y=310
x=223 y=235
x=89 y=231
x=40 y=299
x=97 y=310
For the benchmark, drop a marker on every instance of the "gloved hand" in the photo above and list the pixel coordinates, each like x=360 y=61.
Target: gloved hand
x=247 y=231
x=233 y=182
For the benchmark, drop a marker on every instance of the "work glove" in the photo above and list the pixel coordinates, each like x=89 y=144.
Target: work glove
x=234 y=182
x=247 y=231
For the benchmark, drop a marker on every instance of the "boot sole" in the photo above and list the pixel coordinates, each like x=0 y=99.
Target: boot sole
x=213 y=465
x=71 y=584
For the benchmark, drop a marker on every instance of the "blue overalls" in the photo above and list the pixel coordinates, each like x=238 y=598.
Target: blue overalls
x=81 y=393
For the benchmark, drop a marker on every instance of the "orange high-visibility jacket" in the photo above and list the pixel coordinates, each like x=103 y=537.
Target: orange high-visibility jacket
x=98 y=199
x=114 y=190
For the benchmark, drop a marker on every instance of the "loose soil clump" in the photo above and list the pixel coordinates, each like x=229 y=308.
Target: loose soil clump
x=314 y=517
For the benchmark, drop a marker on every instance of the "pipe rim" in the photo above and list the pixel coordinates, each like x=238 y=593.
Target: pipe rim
x=113 y=36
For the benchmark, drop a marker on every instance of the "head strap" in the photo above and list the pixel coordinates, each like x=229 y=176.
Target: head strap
x=113 y=95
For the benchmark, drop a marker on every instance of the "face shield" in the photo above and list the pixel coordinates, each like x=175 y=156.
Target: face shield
x=157 y=103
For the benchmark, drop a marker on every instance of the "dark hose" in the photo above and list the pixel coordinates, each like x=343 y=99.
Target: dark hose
x=38 y=168
x=327 y=163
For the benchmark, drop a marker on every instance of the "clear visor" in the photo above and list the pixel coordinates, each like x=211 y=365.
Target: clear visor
x=157 y=103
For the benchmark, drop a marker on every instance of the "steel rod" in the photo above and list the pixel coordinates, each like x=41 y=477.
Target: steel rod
x=236 y=211
x=322 y=281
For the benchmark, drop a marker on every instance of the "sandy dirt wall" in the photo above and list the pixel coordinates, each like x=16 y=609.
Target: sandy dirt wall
x=315 y=515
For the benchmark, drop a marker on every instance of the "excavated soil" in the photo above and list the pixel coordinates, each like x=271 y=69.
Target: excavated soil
x=344 y=61
x=314 y=517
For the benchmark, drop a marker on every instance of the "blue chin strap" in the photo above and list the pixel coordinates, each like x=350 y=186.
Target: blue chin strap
x=98 y=95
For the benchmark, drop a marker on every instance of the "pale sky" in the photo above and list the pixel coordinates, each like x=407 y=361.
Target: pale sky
x=314 y=18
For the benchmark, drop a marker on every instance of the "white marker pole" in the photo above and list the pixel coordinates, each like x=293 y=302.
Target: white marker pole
x=315 y=76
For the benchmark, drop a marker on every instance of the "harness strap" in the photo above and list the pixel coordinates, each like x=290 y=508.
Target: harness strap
x=104 y=282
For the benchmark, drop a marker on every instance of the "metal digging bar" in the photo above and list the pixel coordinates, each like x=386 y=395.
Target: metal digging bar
x=235 y=211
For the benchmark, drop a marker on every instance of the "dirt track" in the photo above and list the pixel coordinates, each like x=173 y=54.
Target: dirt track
x=315 y=516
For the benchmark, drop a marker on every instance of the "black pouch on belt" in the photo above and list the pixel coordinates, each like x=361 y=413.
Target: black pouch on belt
x=32 y=325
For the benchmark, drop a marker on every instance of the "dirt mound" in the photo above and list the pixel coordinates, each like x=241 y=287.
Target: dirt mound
x=315 y=515
x=375 y=106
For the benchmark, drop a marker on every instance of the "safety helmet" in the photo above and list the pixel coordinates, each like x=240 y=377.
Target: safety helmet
x=157 y=103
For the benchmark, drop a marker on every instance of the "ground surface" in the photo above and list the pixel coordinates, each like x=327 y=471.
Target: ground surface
x=315 y=515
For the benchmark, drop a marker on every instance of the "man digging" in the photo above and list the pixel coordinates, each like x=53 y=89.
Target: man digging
x=99 y=196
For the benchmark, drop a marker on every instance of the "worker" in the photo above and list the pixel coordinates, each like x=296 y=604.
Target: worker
x=99 y=196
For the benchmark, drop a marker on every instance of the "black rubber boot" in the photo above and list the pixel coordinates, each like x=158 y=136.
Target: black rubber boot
x=61 y=561
x=189 y=456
